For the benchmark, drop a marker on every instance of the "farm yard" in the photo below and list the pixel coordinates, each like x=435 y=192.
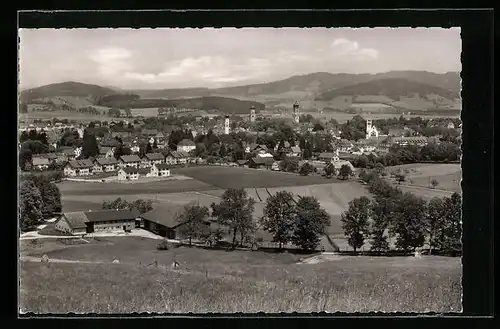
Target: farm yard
x=229 y=281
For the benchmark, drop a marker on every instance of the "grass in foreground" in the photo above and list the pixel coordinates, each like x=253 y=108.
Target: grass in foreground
x=226 y=282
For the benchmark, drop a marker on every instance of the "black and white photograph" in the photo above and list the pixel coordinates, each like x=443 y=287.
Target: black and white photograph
x=224 y=170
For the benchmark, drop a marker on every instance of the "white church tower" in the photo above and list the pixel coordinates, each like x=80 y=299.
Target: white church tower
x=371 y=130
x=296 y=115
x=252 y=114
x=226 y=125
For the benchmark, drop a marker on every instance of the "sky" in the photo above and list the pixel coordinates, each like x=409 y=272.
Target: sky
x=213 y=58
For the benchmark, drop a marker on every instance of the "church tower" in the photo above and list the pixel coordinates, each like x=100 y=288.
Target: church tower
x=371 y=130
x=296 y=115
x=226 y=125
x=252 y=114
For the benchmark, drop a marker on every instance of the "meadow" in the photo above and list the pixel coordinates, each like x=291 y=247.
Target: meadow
x=230 y=281
x=448 y=175
x=236 y=177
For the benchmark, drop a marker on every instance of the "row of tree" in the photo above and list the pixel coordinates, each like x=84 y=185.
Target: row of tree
x=300 y=222
x=141 y=205
x=411 y=219
x=397 y=155
x=38 y=199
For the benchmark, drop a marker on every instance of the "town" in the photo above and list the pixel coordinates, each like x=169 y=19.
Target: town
x=320 y=192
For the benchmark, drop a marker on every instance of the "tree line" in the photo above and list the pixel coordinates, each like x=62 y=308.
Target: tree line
x=405 y=216
x=398 y=155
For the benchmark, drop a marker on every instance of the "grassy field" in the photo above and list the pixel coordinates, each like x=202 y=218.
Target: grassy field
x=224 y=281
x=68 y=188
x=421 y=174
x=236 y=177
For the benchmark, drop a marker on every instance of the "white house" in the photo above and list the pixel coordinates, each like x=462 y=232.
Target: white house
x=128 y=173
x=130 y=161
x=160 y=170
x=133 y=173
x=105 y=165
x=186 y=145
x=149 y=159
x=78 y=168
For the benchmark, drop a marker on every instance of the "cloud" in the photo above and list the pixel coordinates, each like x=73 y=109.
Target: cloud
x=112 y=61
x=217 y=69
x=344 y=48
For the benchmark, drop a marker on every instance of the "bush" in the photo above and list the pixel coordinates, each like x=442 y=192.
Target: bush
x=164 y=245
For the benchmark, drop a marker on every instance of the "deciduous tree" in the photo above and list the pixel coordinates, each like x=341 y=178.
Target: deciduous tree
x=311 y=222
x=193 y=220
x=409 y=224
x=279 y=217
x=235 y=211
x=30 y=205
x=355 y=221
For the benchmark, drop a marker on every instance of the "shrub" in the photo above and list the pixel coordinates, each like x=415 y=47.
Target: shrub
x=164 y=245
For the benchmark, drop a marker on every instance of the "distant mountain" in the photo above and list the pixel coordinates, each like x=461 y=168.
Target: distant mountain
x=307 y=89
x=313 y=83
x=393 y=88
x=70 y=88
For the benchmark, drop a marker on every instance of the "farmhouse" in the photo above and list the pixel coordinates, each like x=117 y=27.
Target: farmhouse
x=78 y=168
x=129 y=161
x=163 y=220
x=105 y=165
x=99 y=220
x=186 y=145
x=40 y=163
x=72 y=222
x=150 y=159
x=260 y=162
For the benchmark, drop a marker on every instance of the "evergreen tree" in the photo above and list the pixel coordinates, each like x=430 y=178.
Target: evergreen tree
x=90 y=147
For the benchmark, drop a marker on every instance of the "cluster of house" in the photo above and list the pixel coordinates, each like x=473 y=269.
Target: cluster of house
x=162 y=220
x=130 y=167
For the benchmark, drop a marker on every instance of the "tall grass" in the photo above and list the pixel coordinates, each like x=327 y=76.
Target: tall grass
x=346 y=287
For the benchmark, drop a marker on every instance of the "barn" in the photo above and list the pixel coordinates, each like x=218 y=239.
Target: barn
x=163 y=220
x=99 y=220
